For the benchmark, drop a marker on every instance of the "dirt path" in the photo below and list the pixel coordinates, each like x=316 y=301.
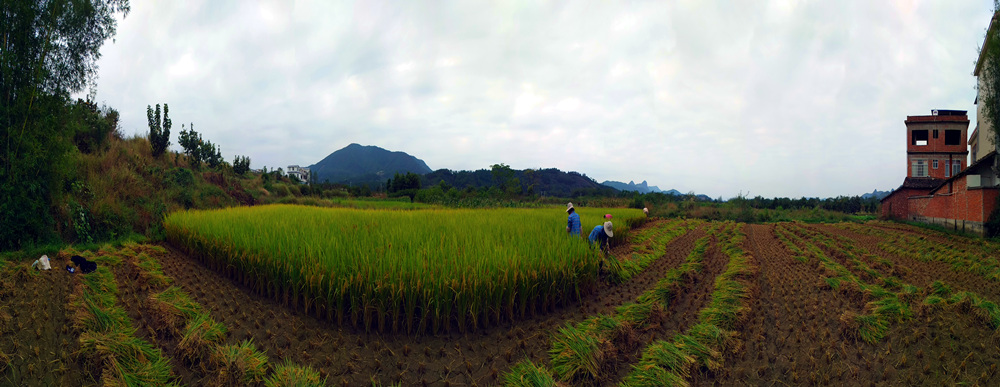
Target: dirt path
x=349 y=357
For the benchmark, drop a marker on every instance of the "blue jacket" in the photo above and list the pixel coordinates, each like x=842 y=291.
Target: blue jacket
x=597 y=234
x=573 y=222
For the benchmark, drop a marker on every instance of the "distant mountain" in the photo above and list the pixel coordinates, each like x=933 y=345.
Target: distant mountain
x=878 y=195
x=645 y=188
x=631 y=186
x=357 y=163
x=546 y=182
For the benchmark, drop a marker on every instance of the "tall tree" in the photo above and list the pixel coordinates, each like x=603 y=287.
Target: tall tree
x=199 y=150
x=191 y=142
x=48 y=49
x=502 y=175
x=241 y=164
x=159 y=131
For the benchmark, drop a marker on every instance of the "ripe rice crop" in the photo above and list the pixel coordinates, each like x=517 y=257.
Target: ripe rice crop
x=417 y=271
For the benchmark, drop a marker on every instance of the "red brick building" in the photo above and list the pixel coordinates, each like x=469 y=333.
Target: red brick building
x=896 y=205
x=938 y=187
x=936 y=144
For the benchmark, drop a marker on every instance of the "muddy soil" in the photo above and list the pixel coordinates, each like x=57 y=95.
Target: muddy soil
x=795 y=337
x=349 y=357
x=681 y=314
x=793 y=333
x=36 y=334
x=133 y=293
x=920 y=273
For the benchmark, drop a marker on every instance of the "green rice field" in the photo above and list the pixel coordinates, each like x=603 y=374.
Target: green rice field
x=413 y=271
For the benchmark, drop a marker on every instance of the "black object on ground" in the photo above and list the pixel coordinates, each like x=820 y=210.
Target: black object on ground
x=84 y=265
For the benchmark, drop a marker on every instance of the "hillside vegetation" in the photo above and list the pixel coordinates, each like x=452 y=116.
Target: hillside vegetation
x=107 y=187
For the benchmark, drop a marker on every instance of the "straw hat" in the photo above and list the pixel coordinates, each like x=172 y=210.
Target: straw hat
x=569 y=206
x=645 y=210
x=607 y=229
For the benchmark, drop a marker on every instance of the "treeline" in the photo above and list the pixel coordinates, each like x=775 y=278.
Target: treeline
x=48 y=51
x=502 y=186
x=499 y=184
x=511 y=182
x=846 y=204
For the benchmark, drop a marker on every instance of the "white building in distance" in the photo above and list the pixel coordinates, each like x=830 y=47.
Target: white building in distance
x=300 y=173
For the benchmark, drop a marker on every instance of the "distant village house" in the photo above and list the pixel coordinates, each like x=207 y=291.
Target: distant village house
x=298 y=172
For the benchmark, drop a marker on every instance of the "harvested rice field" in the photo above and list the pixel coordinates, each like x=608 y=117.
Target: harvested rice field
x=676 y=302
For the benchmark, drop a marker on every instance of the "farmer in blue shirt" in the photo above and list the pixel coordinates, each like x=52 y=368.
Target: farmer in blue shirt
x=601 y=233
x=573 y=221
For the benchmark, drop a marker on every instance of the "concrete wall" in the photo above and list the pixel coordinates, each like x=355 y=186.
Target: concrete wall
x=978 y=148
x=954 y=224
x=984 y=143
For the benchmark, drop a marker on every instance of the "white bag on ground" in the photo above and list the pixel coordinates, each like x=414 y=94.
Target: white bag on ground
x=42 y=263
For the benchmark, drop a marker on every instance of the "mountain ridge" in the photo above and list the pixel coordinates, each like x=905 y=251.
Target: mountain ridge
x=876 y=194
x=357 y=162
x=643 y=187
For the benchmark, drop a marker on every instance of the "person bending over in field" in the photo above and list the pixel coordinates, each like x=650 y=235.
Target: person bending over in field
x=573 y=222
x=600 y=234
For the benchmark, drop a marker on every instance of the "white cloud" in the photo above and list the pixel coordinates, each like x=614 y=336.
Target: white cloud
x=780 y=98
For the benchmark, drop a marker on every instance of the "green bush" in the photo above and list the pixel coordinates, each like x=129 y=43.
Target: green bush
x=992 y=225
x=182 y=177
x=185 y=198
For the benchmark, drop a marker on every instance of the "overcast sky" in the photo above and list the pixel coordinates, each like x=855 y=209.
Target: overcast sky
x=778 y=98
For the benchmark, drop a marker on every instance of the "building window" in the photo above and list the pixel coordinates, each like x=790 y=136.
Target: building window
x=952 y=137
x=919 y=168
x=935 y=133
x=956 y=167
x=918 y=137
x=934 y=164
